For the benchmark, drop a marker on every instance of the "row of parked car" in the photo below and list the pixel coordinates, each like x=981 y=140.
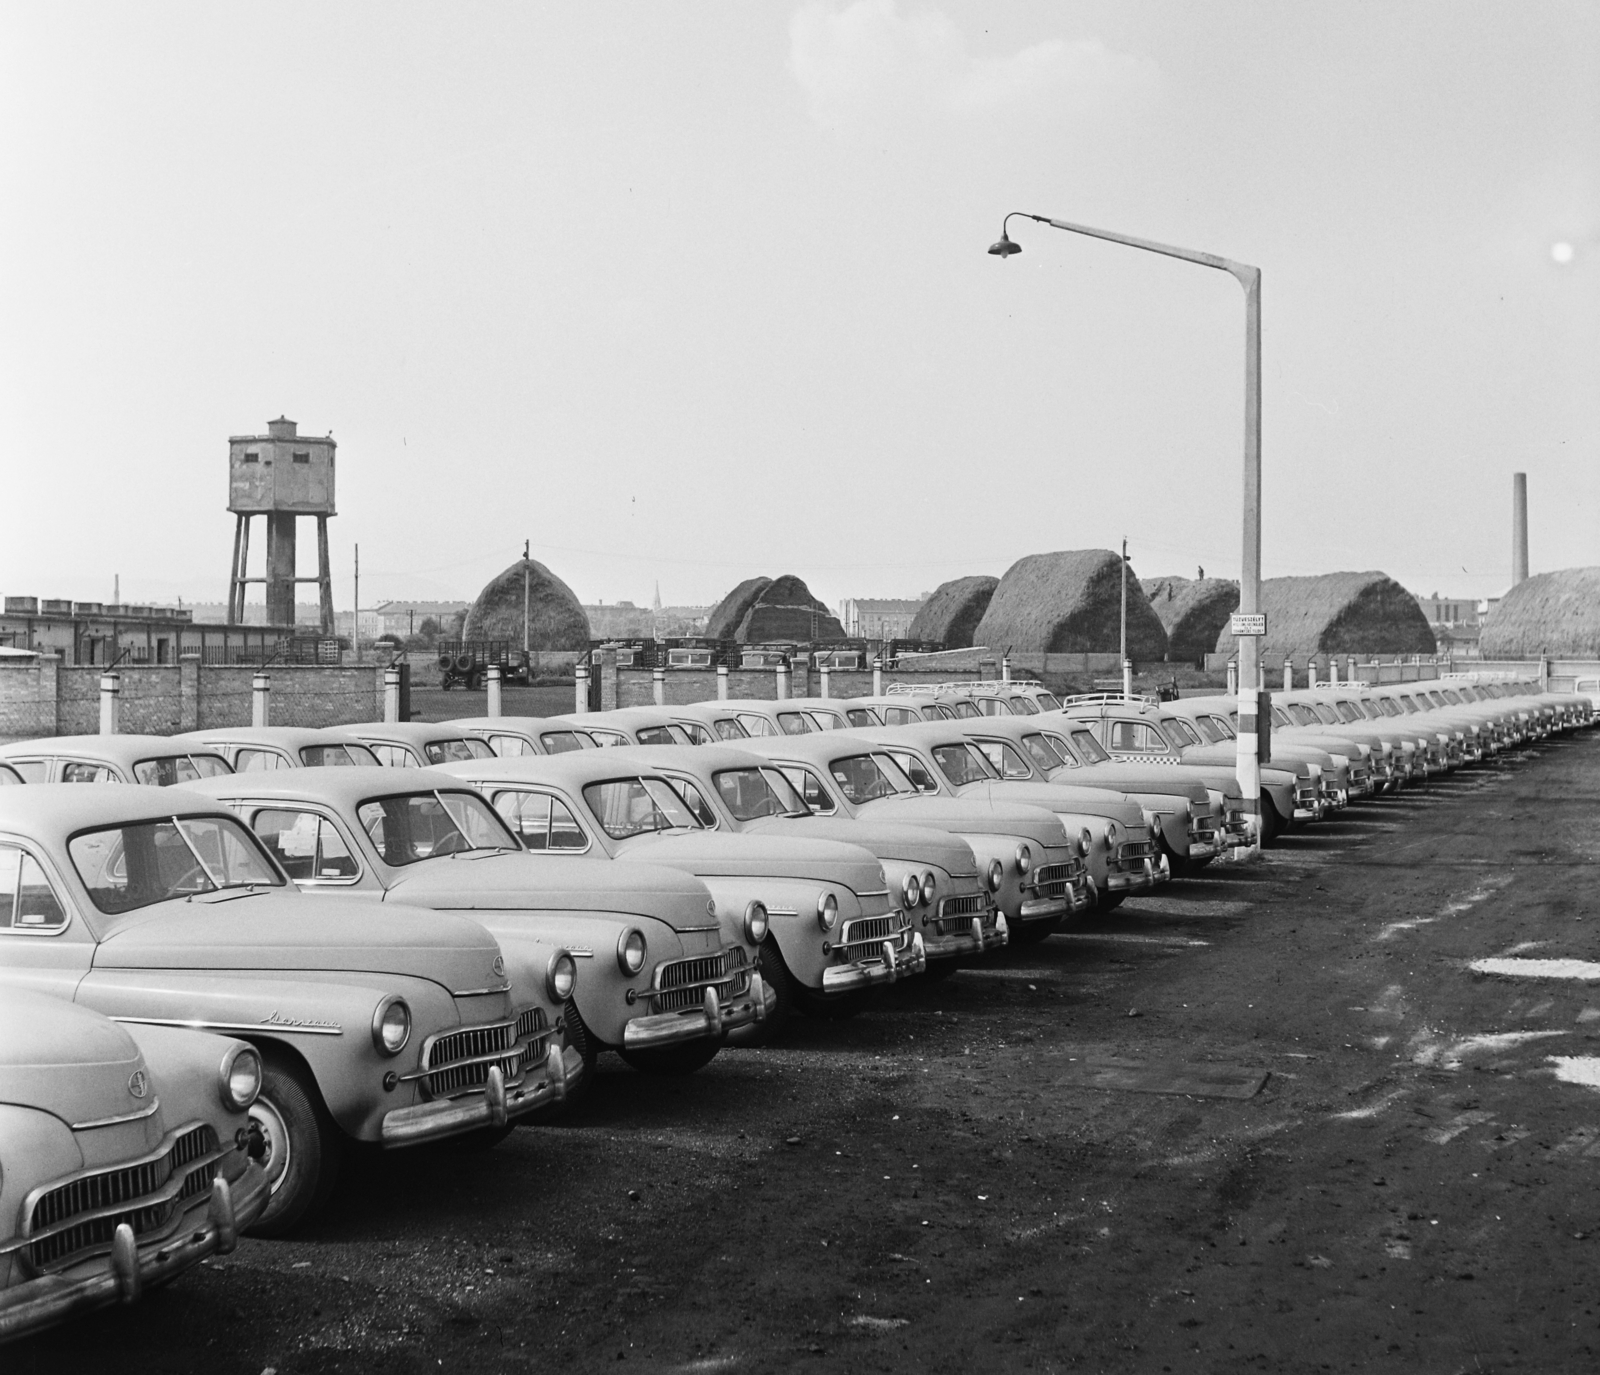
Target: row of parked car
x=282 y=947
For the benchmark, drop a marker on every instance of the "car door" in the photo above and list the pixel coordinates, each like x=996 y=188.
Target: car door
x=44 y=944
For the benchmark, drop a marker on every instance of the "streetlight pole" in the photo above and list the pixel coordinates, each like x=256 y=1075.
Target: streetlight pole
x=1248 y=762
x=1127 y=666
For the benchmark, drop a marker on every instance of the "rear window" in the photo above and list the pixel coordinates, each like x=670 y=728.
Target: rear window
x=457 y=751
x=169 y=769
x=661 y=735
x=816 y=797
x=564 y=742
x=259 y=761
x=337 y=757
x=76 y=771
x=916 y=773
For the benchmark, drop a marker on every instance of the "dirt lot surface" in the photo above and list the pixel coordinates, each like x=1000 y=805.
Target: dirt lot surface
x=1268 y=1121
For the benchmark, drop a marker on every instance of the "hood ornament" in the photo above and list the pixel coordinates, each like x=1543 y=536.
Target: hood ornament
x=138 y=1083
x=499 y=966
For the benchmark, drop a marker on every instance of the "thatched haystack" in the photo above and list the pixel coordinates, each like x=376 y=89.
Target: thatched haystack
x=1337 y=613
x=951 y=614
x=555 y=616
x=1194 y=611
x=728 y=614
x=1554 y=613
x=773 y=610
x=1069 y=603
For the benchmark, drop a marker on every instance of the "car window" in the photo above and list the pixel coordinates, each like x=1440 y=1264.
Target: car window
x=695 y=801
x=76 y=771
x=697 y=734
x=1179 y=731
x=1049 y=701
x=1389 y=708
x=1326 y=714
x=864 y=716
x=541 y=822
x=1224 y=732
x=811 y=789
x=258 y=761
x=729 y=729
x=179 y=768
x=1042 y=752
x=346 y=756
x=1212 y=736
x=1004 y=760
x=915 y=771
x=1088 y=748
x=455 y=751
x=961 y=711
x=755 y=726
x=554 y=742
x=900 y=716
x=750 y=794
x=131 y=866
x=934 y=712
x=627 y=807
x=794 y=723
x=861 y=778
x=607 y=739
x=32 y=770
x=961 y=764
x=1024 y=706
x=9 y=777
x=826 y=720
x=394 y=756
x=307 y=847
x=407 y=827
x=1347 y=713
x=514 y=746
x=1139 y=737
x=27 y=902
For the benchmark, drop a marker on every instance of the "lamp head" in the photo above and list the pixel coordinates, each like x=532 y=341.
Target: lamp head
x=1005 y=247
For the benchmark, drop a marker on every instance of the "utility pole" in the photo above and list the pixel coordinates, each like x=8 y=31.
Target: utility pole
x=1127 y=666
x=355 y=627
x=525 y=594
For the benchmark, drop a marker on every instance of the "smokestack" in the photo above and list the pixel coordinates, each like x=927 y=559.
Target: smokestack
x=1519 y=528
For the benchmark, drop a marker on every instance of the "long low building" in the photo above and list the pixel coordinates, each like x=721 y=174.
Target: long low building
x=100 y=633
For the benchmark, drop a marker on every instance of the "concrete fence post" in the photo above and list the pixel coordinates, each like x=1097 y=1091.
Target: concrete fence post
x=110 y=702
x=722 y=682
x=391 y=694
x=1288 y=675
x=783 y=682
x=877 y=677
x=1233 y=677
x=492 y=681
x=658 y=685
x=260 y=699
x=1005 y=668
x=1333 y=669
x=1350 y=668
x=824 y=672
x=580 y=689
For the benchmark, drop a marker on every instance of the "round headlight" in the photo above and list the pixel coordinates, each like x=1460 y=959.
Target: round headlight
x=240 y=1078
x=1024 y=859
x=631 y=951
x=1085 y=839
x=827 y=911
x=911 y=890
x=391 y=1026
x=560 y=975
x=1155 y=823
x=927 y=888
x=755 y=923
x=997 y=875
x=1111 y=834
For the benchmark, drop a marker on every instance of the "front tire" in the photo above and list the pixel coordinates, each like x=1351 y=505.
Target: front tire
x=674 y=1060
x=301 y=1147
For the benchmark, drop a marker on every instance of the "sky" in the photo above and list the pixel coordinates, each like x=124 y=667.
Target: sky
x=693 y=292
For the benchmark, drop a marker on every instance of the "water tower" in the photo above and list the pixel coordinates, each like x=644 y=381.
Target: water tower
x=282 y=476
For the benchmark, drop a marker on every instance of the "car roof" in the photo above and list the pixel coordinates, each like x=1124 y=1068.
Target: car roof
x=120 y=749
x=520 y=725
x=819 y=747
x=339 y=787
x=264 y=735
x=53 y=811
x=405 y=732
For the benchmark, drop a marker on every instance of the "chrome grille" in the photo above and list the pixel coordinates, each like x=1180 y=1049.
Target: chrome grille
x=956 y=914
x=147 y=1196
x=863 y=938
x=682 y=984
x=1055 y=880
x=458 y=1062
x=1133 y=853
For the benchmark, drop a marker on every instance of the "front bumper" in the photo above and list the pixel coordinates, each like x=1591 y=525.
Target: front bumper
x=885 y=968
x=1151 y=873
x=712 y=1018
x=977 y=936
x=494 y=1107
x=121 y=1276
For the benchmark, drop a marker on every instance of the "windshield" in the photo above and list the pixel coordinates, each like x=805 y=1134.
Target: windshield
x=1042 y=752
x=407 y=827
x=1347 y=713
x=337 y=757
x=1326 y=714
x=1049 y=701
x=627 y=807
x=454 y=751
x=1004 y=760
x=1213 y=736
x=1023 y=706
x=1179 y=732
x=961 y=764
x=128 y=867
x=750 y=794
x=1088 y=748
x=865 y=777
x=179 y=768
x=1370 y=710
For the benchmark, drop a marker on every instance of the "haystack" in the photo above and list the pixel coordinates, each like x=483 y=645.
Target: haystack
x=952 y=613
x=773 y=610
x=1554 y=613
x=1193 y=612
x=555 y=617
x=1337 y=613
x=1069 y=603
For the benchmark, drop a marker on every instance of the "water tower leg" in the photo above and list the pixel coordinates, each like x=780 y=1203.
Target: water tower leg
x=324 y=575
x=236 y=582
x=280 y=568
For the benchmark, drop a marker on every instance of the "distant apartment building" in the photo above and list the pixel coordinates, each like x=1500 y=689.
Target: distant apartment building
x=1456 y=622
x=882 y=618
x=344 y=623
x=625 y=621
x=404 y=618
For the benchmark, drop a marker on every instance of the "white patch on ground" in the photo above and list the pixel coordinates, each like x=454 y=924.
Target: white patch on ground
x=1577 y=1069
x=1450 y=1053
x=1127 y=938
x=1484 y=890
x=1521 y=947
x=1034 y=976
x=1509 y=1137
x=1578 y=1142
x=878 y=1324
x=1397 y=1250
x=1390 y=1004
x=1586 y=970
x=1589 y=1014
x=1372 y=1109
x=1463 y=1122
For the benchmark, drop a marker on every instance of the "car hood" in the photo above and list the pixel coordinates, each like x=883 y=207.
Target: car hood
x=1139 y=778
x=1227 y=757
x=1059 y=797
x=238 y=931
x=757 y=855
x=970 y=815
x=67 y=1060
x=886 y=839
x=497 y=880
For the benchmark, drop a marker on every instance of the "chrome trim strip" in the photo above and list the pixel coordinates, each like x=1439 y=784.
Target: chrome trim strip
x=196 y=1025
x=481 y=992
x=151 y=1111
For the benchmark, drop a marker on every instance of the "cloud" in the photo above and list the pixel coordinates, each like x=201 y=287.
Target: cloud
x=867 y=62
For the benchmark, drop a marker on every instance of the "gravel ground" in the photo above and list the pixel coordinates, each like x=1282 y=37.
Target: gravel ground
x=1271 y=1120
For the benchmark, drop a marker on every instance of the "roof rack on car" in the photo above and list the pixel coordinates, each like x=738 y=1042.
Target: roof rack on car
x=1097 y=699
x=965 y=687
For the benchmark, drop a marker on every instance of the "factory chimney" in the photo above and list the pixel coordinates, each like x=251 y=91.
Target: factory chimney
x=1519 y=528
